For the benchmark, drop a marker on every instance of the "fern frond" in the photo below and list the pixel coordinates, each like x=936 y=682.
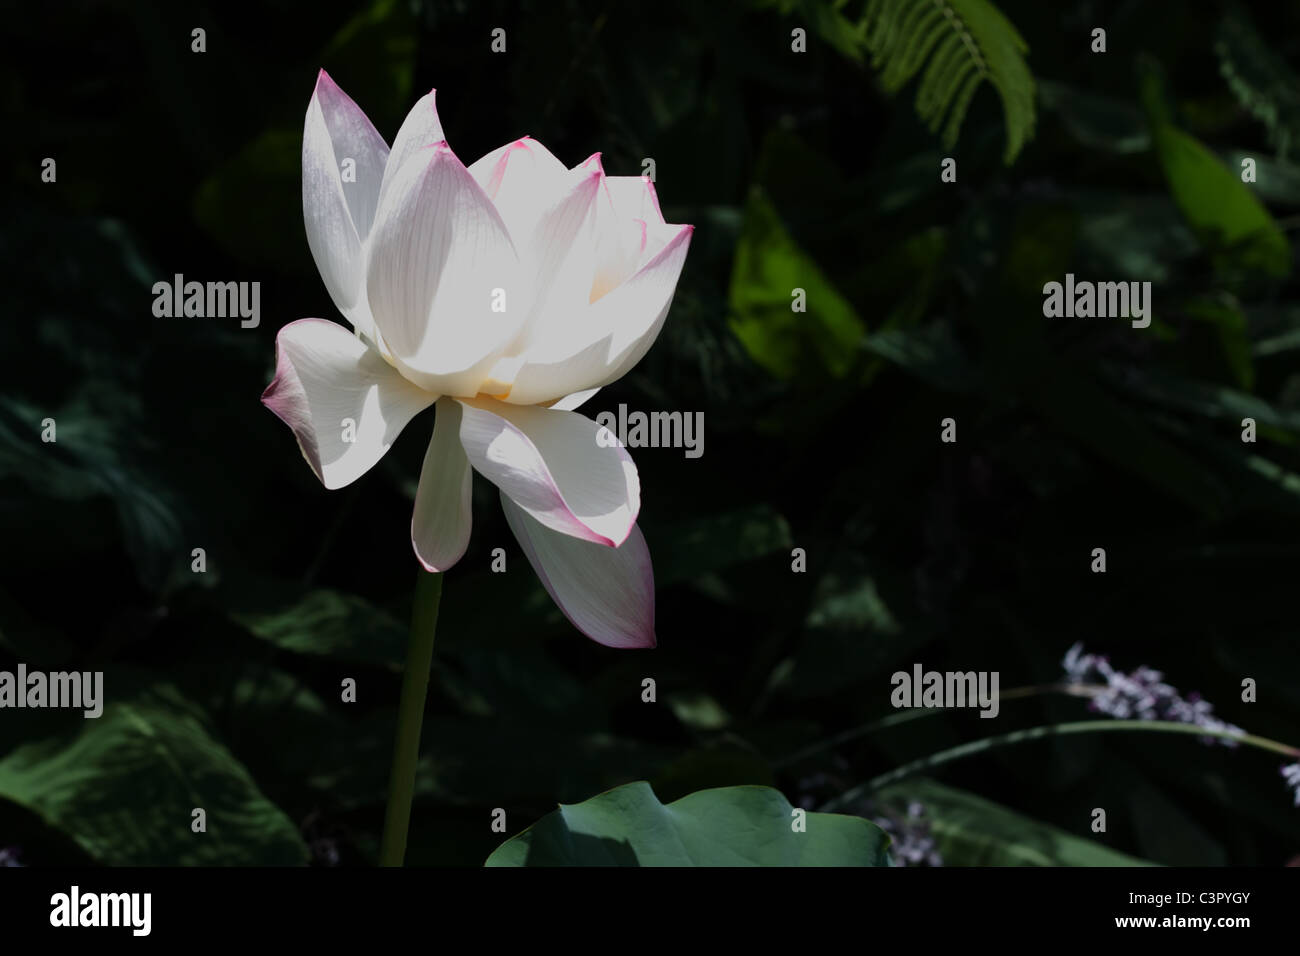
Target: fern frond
x=1259 y=79
x=960 y=44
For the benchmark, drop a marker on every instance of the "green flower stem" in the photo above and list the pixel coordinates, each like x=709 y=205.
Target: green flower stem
x=410 y=717
x=1051 y=730
x=903 y=717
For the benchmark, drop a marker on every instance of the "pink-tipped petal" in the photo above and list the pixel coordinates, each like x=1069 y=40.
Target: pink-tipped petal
x=637 y=309
x=489 y=170
x=634 y=198
x=354 y=138
x=522 y=179
x=557 y=260
x=620 y=243
x=562 y=468
x=338 y=209
x=607 y=594
x=421 y=128
x=440 y=525
x=345 y=404
x=443 y=279
x=612 y=336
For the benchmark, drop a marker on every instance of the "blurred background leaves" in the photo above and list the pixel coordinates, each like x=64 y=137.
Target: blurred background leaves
x=800 y=170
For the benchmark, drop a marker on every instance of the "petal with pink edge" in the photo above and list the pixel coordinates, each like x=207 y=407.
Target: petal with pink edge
x=565 y=470
x=522 y=179
x=620 y=242
x=613 y=335
x=443 y=277
x=421 y=128
x=345 y=404
x=558 y=258
x=606 y=593
x=636 y=309
x=338 y=213
x=354 y=138
x=440 y=525
x=634 y=197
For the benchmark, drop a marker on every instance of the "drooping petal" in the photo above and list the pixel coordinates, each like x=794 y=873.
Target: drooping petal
x=338 y=209
x=606 y=593
x=612 y=336
x=522 y=179
x=443 y=276
x=421 y=128
x=440 y=525
x=345 y=404
x=561 y=467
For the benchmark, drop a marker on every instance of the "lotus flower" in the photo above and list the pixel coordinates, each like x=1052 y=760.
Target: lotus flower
x=505 y=293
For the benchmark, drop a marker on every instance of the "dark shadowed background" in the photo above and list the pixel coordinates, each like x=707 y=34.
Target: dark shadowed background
x=821 y=430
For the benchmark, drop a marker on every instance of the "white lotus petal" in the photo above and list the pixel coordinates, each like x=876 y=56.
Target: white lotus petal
x=345 y=404
x=612 y=336
x=558 y=258
x=443 y=276
x=570 y=402
x=522 y=179
x=421 y=128
x=638 y=307
x=562 y=468
x=441 y=522
x=338 y=210
x=620 y=241
x=606 y=593
x=634 y=197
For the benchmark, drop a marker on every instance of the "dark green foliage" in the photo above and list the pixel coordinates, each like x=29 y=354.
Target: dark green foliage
x=630 y=827
x=924 y=301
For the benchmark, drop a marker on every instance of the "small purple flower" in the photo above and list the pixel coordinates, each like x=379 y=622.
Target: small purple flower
x=1142 y=695
x=9 y=856
x=1291 y=773
x=912 y=843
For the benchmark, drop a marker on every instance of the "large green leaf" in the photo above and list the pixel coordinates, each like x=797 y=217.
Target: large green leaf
x=972 y=831
x=123 y=786
x=1224 y=213
x=332 y=624
x=731 y=826
x=769 y=267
